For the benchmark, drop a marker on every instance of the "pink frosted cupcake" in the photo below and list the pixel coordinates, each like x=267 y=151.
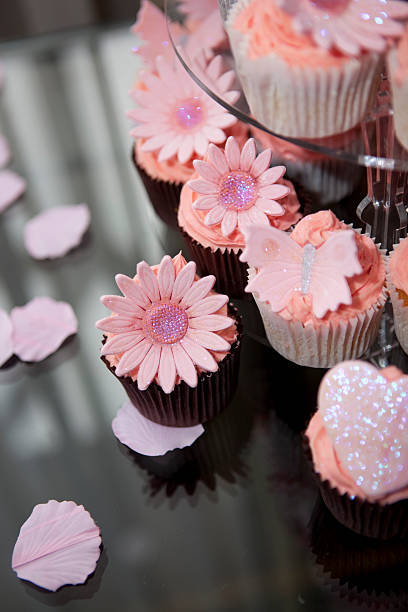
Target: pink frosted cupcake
x=320 y=289
x=358 y=444
x=398 y=74
x=171 y=343
x=234 y=189
x=311 y=69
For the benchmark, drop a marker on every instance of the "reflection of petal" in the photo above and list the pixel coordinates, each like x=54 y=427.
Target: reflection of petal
x=185 y=367
x=205 y=202
x=131 y=359
x=166 y=276
x=208 y=340
x=210 y=322
x=148 y=281
x=207 y=171
x=167 y=370
x=148 y=367
x=198 y=290
x=183 y=281
x=208 y=305
x=229 y=222
x=215 y=215
x=122 y=342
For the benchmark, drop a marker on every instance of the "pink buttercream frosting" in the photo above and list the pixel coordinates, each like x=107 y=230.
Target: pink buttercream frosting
x=398 y=266
x=366 y=288
x=326 y=461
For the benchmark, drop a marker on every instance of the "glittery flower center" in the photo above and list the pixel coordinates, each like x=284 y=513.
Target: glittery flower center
x=331 y=6
x=237 y=190
x=166 y=323
x=189 y=113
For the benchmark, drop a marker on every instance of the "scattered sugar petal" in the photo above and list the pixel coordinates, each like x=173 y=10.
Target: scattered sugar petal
x=55 y=231
x=58 y=544
x=12 y=186
x=6 y=342
x=148 y=438
x=4 y=151
x=40 y=327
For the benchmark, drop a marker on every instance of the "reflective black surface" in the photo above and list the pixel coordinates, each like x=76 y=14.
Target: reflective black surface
x=222 y=526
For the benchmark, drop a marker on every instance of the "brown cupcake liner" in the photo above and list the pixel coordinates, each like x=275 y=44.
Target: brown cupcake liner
x=186 y=406
x=369 y=519
x=164 y=195
x=230 y=272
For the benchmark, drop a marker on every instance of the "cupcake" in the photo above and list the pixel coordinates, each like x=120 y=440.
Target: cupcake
x=320 y=289
x=172 y=342
x=234 y=189
x=397 y=284
x=398 y=73
x=176 y=122
x=359 y=447
x=311 y=69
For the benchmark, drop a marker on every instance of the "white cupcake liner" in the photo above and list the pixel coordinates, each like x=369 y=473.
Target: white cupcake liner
x=302 y=101
x=400 y=100
x=399 y=310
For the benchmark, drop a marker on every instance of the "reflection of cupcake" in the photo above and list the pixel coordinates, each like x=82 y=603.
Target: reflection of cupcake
x=233 y=190
x=398 y=74
x=311 y=69
x=397 y=283
x=171 y=344
x=176 y=123
x=320 y=289
x=358 y=444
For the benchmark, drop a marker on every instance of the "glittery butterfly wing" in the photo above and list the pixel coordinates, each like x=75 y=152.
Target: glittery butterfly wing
x=333 y=262
x=279 y=261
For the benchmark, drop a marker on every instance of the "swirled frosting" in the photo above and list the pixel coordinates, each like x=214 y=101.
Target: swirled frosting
x=326 y=461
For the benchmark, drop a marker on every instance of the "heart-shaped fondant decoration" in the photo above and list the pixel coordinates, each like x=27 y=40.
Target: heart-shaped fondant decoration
x=366 y=418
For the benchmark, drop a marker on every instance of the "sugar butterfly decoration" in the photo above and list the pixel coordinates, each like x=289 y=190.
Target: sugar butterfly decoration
x=284 y=267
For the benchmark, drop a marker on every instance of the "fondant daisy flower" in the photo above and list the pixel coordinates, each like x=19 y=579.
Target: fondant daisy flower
x=165 y=325
x=197 y=9
x=349 y=25
x=176 y=117
x=238 y=187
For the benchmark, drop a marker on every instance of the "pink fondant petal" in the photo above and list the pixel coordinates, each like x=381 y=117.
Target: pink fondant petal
x=208 y=340
x=148 y=367
x=122 y=342
x=184 y=281
x=271 y=175
x=184 y=366
x=274 y=192
x=148 y=438
x=58 y=544
x=204 y=187
x=40 y=327
x=215 y=215
x=244 y=221
x=123 y=306
x=217 y=158
x=199 y=355
x=229 y=222
x=186 y=149
x=222 y=121
x=166 y=276
x=170 y=149
x=205 y=202
x=207 y=171
x=12 y=186
x=167 y=370
x=208 y=305
x=225 y=81
x=248 y=155
x=200 y=143
x=54 y=232
x=148 y=281
x=131 y=359
x=199 y=290
x=116 y=324
x=261 y=163
x=132 y=290
x=270 y=207
x=257 y=216
x=232 y=153
x=214 y=134
x=4 y=151
x=6 y=337
x=210 y=322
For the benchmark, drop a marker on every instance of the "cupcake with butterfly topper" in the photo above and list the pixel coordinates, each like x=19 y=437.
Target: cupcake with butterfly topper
x=172 y=342
x=397 y=63
x=234 y=188
x=311 y=69
x=320 y=289
x=358 y=443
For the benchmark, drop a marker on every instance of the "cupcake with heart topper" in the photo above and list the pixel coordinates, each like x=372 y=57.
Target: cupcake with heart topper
x=320 y=289
x=172 y=342
x=358 y=443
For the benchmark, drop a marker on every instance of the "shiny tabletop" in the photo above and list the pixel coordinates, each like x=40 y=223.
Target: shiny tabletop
x=234 y=523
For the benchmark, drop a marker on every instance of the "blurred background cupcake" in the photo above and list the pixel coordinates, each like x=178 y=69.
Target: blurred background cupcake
x=397 y=63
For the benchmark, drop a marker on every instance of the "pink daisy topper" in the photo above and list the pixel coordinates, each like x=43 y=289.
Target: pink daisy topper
x=349 y=25
x=238 y=187
x=165 y=326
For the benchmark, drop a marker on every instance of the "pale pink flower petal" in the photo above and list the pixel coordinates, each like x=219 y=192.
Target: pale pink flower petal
x=207 y=305
x=229 y=222
x=208 y=340
x=123 y=306
x=151 y=439
x=12 y=187
x=122 y=342
x=203 y=186
x=205 y=202
x=186 y=149
x=184 y=366
x=274 y=192
x=133 y=357
x=199 y=355
x=232 y=153
x=244 y=220
x=58 y=544
x=148 y=367
x=270 y=207
x=148 y=281
x=248 y=155
x=132 y=290
x=167 y=370
x=208 y=171
x=217 y=158
x=199 y=290
x=170 y=149
x=5 y=153
x=271 y=175
x=213 y=133
x=261 y=163
x=200 y=143
x=257 y=216
x=166 y=276
x=117 y=324
x=215 y=215
x=211 y=322
x=40 y=327
x=6 y=337
x=184 y=281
